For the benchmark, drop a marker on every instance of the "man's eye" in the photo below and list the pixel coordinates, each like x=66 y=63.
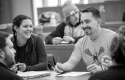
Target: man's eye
x=87 y=21
x=81 y=22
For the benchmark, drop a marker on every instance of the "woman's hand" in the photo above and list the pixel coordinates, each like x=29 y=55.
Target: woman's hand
x=14 y=68
x=21 y=66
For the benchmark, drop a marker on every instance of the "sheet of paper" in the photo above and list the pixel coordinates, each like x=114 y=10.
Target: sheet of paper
x=64 y=42
x=33 y=74
x=73 y=74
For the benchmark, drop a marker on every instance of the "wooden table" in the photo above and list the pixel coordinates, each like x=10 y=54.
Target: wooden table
x=54 y=77
x=63 y=52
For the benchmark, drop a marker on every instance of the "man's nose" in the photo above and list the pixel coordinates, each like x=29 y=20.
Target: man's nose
x=77 y=15
x=14 y=50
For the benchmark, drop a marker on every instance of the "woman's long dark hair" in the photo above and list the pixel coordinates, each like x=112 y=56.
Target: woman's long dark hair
x=118 y=46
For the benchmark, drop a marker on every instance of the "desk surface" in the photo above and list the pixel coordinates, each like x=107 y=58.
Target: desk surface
x=54 y=77
x=60 y=46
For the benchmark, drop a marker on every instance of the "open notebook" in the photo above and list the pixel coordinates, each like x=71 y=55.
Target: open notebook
x=33 y=74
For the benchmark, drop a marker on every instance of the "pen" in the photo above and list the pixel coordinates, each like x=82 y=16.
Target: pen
x=61 y=73
x=58 y=61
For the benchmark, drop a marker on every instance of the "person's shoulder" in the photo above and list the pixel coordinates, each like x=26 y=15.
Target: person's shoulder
x=99 y=75
x=16 y=77
x=63 y=24
x=108 y=31
x=110 y=74
x=35 y=36
x=37 y=39
x=84 y=37
x=9 y=75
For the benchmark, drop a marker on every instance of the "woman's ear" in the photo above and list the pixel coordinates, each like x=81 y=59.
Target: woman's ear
x=15 y=28
x=1 y=53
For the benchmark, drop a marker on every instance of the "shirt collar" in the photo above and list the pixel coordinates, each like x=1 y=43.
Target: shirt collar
x=2 y=65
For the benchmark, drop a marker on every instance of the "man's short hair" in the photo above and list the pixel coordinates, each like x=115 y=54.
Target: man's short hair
x=3 y=36
x=94 y=12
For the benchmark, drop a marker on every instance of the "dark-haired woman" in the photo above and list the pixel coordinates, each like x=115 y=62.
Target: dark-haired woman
x=30 y=50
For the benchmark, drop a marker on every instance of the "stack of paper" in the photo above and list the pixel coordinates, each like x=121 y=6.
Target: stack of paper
x=33 y=74
x=71 y=74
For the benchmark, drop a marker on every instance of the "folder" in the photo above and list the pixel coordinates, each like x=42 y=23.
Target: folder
x=33 y=74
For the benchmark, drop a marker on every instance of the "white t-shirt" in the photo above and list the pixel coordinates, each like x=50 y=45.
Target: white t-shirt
x=91 y=51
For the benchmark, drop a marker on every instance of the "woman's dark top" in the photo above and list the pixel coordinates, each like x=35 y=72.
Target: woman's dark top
x=33 y=54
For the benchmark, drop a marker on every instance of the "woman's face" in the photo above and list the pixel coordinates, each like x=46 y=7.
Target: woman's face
x=25 y=29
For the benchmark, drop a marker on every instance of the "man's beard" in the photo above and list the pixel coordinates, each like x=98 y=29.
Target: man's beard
x=9 y=61
x=87 y=30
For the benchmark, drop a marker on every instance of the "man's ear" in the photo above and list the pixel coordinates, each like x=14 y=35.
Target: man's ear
x=99 y=21
x=1 y=53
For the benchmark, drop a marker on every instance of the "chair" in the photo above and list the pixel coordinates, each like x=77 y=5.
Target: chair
x=51 y=61
x=123 y=19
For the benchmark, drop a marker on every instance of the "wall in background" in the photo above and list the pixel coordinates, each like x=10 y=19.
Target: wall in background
x=11 y=8
x=5 y=11
x=21 y=7
x=113 y=9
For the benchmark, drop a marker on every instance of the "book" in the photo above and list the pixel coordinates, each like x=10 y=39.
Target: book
x=33 y=74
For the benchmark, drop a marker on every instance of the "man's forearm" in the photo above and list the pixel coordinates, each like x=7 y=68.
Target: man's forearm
x=67 y=66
